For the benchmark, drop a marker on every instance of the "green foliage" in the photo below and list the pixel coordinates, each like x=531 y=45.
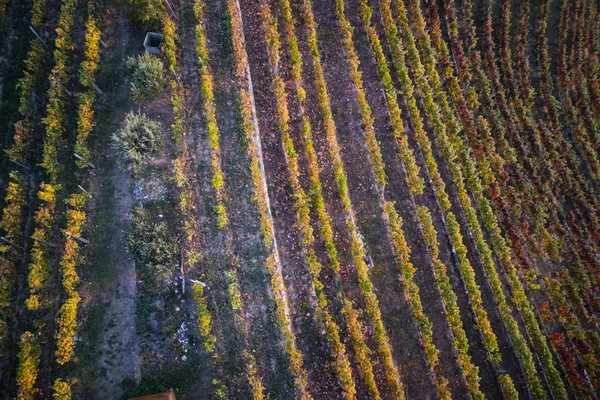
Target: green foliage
x=86 y=100
x=153 y=245
x=411 y=293
x=138 y=139
x=71 y=258
x=62 y=390
x=460 y=342
x=295 y=356
x=55 y=119
x=40 y=268
x=170 y=31
x=149 y=12
x=29 y=361
x=146 y=76
x=204 y=319
x=37 y=12
x=508 y=388
x=67 y=328
x=2 y=8
x=15 y=201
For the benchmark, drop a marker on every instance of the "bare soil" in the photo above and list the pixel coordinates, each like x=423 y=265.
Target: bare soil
x=264 y=340
x=310 y=338
x=395 y=310
x=109 y=297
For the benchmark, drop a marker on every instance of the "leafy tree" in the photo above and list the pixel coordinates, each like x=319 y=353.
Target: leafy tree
x=146 y=76
x=138 y=139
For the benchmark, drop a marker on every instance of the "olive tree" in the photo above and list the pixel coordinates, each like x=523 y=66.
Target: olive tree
x=146 y=76
x=138 y=139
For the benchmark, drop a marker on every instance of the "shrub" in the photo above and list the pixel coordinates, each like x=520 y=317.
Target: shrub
x=67 y=328
x=149 y=12
x=29 y=361
x=138 y=139
x=153 y=245
x=62 y=390
x=146 y=76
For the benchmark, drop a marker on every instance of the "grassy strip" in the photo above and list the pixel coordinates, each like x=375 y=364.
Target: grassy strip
x=190 y=248
x=220 y=209
x=190 y=241
x=324 y=222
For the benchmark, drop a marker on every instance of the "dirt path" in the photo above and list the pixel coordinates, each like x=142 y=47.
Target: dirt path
x=118 y=349
x=109 y=295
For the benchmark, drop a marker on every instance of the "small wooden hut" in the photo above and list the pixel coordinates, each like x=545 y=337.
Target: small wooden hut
x=160 y=396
